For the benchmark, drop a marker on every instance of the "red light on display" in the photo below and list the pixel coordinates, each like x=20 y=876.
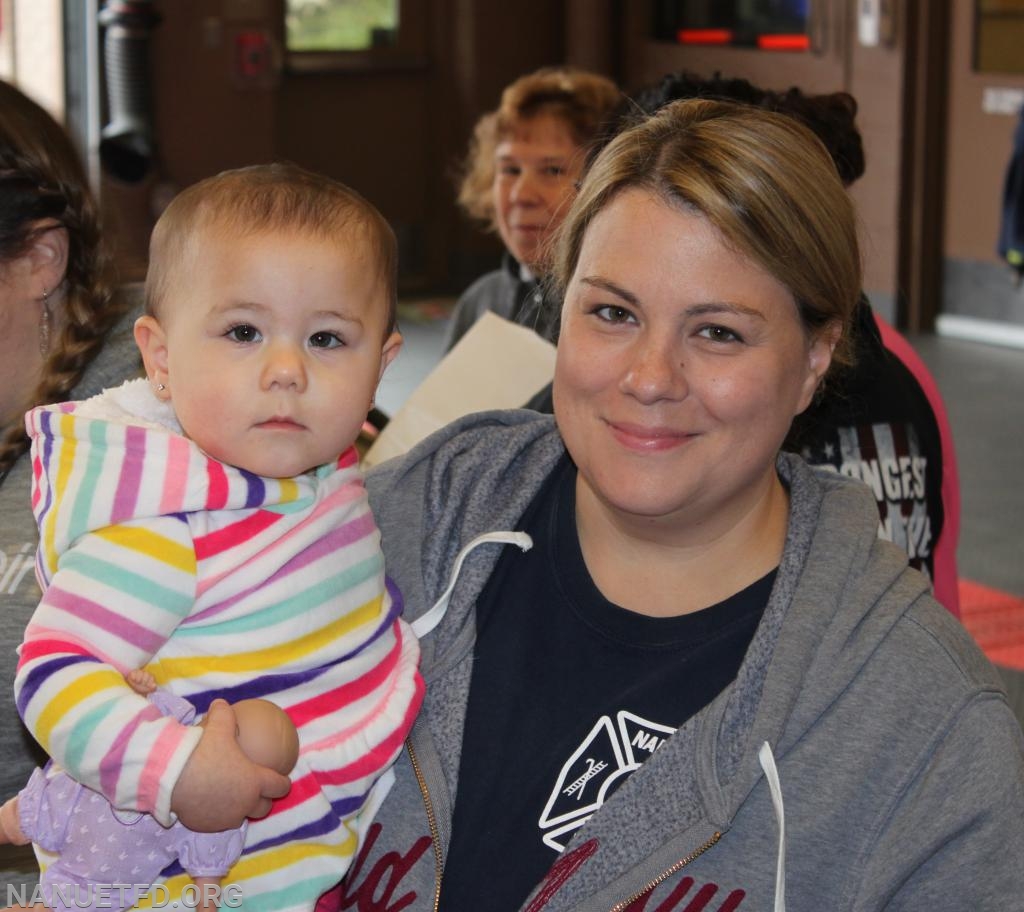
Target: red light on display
x=783 y=42
x=704 y=36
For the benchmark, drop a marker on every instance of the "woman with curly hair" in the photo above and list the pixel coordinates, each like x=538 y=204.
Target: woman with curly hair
x=520 y=176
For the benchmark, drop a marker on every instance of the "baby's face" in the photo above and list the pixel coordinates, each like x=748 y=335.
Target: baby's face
x=273 y=347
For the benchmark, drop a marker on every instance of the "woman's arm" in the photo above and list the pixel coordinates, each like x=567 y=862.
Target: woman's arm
x=954 y=836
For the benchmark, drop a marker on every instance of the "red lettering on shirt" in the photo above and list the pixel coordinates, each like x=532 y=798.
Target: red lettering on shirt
x=376 y=891
x=699 y=903
x=567 y=865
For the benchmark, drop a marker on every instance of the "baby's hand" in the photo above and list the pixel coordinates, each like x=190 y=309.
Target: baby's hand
x=220 y=786
x=141 y=681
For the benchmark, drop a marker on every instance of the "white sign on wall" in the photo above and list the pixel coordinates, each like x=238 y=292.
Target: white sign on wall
x=1002 y=100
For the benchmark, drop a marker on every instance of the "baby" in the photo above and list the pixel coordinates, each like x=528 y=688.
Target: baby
x=210 y=524
x=136 y=847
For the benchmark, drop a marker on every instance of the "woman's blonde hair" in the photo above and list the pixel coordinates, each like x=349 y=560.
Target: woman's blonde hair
x=42 y=179
x=764 y=181
x=580 y=99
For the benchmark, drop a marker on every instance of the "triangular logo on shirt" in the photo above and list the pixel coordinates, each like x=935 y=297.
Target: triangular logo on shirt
x=608 y=753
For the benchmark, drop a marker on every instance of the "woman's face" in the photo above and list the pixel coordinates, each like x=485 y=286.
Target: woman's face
x=535 y=175
x=680 y=367
x=20 y=360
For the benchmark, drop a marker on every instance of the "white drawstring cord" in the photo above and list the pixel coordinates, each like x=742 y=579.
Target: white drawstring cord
x=427 y=622
x=421 y=627
x=771 y=773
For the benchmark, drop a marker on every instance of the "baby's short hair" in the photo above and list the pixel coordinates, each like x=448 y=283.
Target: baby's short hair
x=267 y=198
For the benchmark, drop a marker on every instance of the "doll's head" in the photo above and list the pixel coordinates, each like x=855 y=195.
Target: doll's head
x=266 y=734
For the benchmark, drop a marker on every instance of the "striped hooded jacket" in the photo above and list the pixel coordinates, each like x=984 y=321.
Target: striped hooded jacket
x=222 y=584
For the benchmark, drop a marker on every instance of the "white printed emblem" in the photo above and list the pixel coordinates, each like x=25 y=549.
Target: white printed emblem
x=611 y=750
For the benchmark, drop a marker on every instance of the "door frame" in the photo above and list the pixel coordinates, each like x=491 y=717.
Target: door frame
x=923 y=164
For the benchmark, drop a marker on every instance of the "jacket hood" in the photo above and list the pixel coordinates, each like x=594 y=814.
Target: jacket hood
x=498 y=459
x=132 y=463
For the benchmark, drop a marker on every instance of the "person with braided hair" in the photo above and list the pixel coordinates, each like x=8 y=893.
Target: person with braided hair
x=64 y=334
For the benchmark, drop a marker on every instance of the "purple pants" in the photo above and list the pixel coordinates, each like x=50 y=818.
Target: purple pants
x=98 y=845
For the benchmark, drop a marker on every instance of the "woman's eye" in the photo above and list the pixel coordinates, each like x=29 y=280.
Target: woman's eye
x=554 y=170
x=243 y=333
x=719 y=334
x=325 y=340
x=612 y=313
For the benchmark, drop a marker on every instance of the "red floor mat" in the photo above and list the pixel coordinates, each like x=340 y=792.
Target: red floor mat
x=996 y=621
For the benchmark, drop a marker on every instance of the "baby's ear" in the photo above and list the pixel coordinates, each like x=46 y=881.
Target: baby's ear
x=152 y=342
x=392 y=346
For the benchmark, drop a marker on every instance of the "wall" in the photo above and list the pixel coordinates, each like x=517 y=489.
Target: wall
x=204 y=118
x=394 y=132
x=977 y=284
x=873 y=75
x=978 y=149
x=875 y=79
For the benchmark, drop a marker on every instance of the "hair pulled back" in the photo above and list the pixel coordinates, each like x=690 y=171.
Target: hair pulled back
x=42 y=179
x=761 y=179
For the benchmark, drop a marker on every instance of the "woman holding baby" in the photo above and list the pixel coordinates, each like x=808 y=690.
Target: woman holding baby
x=700 y=674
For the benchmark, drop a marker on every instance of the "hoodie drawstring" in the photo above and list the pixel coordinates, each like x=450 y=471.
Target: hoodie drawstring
x=771 y=773
x=427 y=622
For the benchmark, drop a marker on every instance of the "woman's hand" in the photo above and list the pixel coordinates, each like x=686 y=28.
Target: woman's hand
x=219 y=786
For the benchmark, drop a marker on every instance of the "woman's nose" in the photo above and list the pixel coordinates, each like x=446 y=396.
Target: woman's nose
x=525 y=189
x=284 y=367
x=655 y=371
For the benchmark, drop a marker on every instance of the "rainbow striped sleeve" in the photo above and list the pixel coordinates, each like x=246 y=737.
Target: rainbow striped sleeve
x=113 y=601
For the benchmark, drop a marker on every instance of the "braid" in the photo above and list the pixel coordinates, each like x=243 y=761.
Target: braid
x=91 y=310
x=42 y=178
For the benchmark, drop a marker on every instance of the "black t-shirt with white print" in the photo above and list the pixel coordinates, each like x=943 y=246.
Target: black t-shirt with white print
x=569 y=695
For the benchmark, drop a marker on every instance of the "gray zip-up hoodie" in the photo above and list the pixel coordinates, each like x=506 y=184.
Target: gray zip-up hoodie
x=898 y=767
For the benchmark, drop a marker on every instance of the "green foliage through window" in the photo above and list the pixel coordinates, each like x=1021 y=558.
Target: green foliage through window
x=340 y=25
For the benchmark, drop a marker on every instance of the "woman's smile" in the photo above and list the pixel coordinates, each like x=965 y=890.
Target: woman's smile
x=649 y=438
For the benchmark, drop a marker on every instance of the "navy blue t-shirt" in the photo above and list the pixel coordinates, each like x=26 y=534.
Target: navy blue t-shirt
x=569 y=695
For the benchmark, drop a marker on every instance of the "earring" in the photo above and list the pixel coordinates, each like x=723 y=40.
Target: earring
x=45 y=324
x=160 y=387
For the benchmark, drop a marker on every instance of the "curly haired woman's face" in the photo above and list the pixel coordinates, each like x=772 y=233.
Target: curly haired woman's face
x=536 y=169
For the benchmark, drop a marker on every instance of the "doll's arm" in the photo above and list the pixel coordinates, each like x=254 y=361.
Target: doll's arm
x=207 y=893
x=10 y=825
x=141 y=681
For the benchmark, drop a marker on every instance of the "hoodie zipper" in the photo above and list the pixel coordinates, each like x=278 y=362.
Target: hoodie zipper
x=679 y=865
x=421 y=627
x=431 y=821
